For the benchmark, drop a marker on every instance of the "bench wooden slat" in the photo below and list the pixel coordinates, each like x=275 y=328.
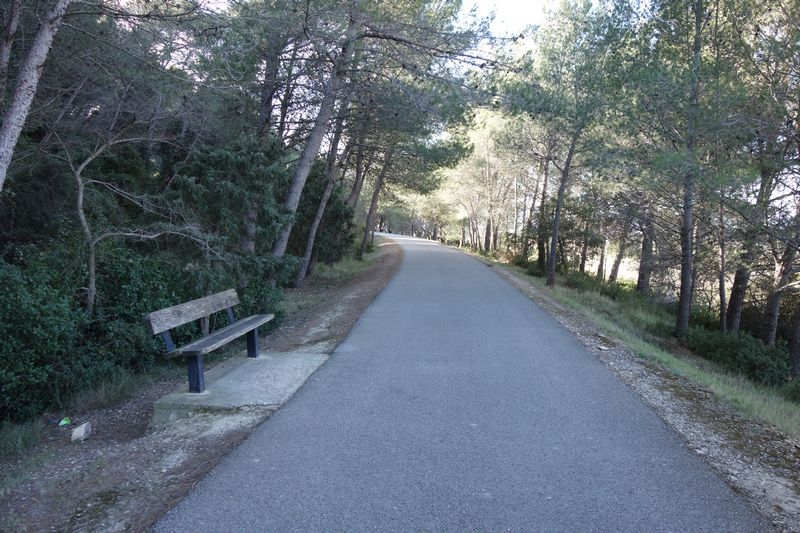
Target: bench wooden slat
x=222 y=336
x=178 y=315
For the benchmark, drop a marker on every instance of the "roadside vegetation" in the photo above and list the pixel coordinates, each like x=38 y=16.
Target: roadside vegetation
x=646 y=154
x=738 y=369
x=170 y=150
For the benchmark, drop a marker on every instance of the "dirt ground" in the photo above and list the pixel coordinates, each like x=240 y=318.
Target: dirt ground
x=127 y=474
x=755 y=459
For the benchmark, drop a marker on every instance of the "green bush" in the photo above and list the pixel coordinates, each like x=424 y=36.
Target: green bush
x=581 y=282
x=704 y=317
x=520 y=261
x=742 y=354
x=584 y=282
x=791 y=391
x=534 y=270
x=41 y=358
x=52 y=350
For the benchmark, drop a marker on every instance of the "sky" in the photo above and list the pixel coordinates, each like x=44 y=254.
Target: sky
x=511 y=16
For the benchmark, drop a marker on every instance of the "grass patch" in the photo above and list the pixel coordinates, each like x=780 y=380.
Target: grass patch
x=122 y=385
x=16 y=438
x=343 y=270
x=349 y=266
x=643 y=325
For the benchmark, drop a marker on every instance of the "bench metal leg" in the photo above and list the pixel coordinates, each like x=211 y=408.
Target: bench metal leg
x=197 y=382
x=252 y=343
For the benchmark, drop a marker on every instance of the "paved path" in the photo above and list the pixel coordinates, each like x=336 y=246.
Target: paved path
x=456 y=404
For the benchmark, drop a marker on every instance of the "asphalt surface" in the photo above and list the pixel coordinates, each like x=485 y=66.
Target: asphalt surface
x=456 y=404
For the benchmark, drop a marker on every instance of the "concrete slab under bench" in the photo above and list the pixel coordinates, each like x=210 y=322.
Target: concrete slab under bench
x=265 y=382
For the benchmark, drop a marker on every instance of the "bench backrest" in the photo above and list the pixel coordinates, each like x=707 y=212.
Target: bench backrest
x=178 y=315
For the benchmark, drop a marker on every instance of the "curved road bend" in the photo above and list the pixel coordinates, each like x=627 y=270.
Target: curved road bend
x=456 y=404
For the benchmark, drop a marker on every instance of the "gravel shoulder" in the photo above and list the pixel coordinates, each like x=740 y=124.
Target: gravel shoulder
x=127 y=474
x=755 y=459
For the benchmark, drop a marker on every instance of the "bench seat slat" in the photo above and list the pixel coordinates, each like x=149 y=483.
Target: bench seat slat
x=222 y=336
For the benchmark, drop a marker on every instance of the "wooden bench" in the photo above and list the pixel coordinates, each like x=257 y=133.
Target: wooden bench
x=162 y=321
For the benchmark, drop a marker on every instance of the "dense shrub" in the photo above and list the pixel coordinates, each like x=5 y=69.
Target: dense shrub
x=336 y=231
x=791 y=391
x=704 y=317
x=52 y=349
x=520 y=261
x=615 y=291
x=41 y=359
x=742 y=354
x=581 y=282
x=534 y=270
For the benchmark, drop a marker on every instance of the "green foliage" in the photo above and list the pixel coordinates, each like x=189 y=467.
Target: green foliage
x=791 y=391
x=14 y=438
x=615 y=291
x=41 y=358
x=221 y=181
x=336 y=231
x=53 y=351
x=520 y=261
x=741 y=354
x=534 y=269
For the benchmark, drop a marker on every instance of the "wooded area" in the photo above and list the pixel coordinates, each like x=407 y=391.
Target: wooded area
x=650 y=149
x=157 y=152
x=154 y=154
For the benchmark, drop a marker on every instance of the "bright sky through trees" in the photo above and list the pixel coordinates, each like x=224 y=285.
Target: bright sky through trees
x=511 y=16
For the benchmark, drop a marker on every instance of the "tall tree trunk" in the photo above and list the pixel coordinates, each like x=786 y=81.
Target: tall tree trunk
x=646 y=258
x=6 y=43
x=495 y=236
x=623 y=245
x=741 y=278
x=601 y=266
x=361 y=164
x=317 y=133
x=794 y=344
x=722 y=266
x=272 y=63
x=584 y=246
x=769 y=324
x=91 y=246
x=687 y=220
x=516 y=215
x=250 y=227
x=286 y=99
x=27 y=82
x=487 y=236
x=562 y=193
x=783 y=276
x=387 y=162
x=541 y=238
x=527 y=225
x=330 y=173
